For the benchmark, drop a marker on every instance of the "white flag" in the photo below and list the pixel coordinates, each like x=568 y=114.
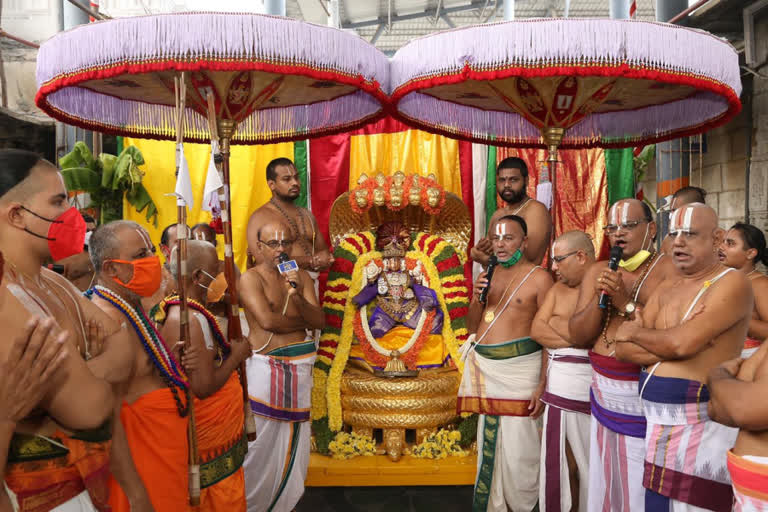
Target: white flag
x=183 y=190
x=212 y=183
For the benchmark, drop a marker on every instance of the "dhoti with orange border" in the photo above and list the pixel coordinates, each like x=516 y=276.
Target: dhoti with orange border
x=749 y=477
x=498 y=383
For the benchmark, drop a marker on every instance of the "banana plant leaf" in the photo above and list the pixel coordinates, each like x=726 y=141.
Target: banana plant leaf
x=140 y=199
x=81 y=179
x=80 y=156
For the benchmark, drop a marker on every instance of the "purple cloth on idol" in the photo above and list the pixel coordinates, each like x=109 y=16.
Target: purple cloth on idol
x=381 y=322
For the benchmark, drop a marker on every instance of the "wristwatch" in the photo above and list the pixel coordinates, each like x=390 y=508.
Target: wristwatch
x=629 y=308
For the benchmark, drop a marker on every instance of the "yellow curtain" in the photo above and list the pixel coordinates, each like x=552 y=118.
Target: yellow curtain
x=410 y=151
x=248 y=188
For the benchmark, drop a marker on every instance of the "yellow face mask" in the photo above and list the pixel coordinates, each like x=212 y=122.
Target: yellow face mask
x=635 y=261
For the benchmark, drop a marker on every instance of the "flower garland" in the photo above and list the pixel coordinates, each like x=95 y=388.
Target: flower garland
x=346 y=446
x=161 y=313
x=409 y=352
x=153 y=344
x=439 y=445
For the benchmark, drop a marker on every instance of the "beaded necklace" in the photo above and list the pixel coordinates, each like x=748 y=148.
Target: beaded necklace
x=299 y=232
x=153 y=344
x=174 y=300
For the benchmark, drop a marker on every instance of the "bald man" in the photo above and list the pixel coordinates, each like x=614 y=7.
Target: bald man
x=691 y=324
x=564 y=477
x=617 y=434
x=280 y=308
x=211 y=364
x=683 y=196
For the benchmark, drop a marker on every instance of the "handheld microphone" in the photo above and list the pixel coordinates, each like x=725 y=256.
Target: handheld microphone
x=287 y=265
x=492 y=262
x=613 y=264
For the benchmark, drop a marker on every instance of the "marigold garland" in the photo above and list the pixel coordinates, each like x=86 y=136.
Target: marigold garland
x=346 y=446
x=409 y=358
x=439 y=445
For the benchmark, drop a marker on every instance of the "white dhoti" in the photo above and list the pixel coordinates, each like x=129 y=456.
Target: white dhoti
x=566 y=420
x=498 y=383
x=279 y=386
x=617 y=437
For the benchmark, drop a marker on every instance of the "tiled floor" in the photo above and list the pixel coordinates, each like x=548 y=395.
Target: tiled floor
x=387 y=499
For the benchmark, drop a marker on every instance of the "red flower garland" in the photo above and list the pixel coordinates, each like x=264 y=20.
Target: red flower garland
x=409 y=358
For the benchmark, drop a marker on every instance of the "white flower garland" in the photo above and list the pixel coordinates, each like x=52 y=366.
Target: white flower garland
x=381 y=350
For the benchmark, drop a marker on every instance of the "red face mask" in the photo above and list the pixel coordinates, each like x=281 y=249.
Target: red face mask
x=66 y=236
x=147 y=276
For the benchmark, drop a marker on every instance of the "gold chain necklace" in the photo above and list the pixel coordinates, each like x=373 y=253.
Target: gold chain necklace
x=635 y=289
x=491 y=313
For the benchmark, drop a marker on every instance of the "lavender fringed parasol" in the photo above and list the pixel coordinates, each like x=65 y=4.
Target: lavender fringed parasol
x=278 y=79
x=567 y=82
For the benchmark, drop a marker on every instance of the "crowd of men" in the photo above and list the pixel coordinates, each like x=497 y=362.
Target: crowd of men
x=625 y=384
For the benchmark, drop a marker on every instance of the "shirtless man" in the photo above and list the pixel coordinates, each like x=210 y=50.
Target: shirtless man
x=152 y=443
x=563 y=486
x=309 y=250
x=692 y=323
x=279 y=309
x=512 y=185
x=78 y=268
x=211 y=364
x=682 y=197
x=37 y=224
x=206 y=233
x=733 y=388
x=744 y=248
x=503 y=356
x=617 y=436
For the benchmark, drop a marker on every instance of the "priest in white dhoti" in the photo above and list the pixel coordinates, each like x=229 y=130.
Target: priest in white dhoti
x=502 y=378
x=564 y=477
x=279 y=308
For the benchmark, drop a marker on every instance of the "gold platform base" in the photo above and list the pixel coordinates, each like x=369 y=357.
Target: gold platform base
x=379 y=471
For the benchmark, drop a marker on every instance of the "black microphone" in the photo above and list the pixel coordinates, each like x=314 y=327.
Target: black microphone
x=283 y=259
x=613 y=264
x=492 y=262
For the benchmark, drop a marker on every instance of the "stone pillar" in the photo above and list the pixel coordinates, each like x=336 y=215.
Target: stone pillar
x=509 y=10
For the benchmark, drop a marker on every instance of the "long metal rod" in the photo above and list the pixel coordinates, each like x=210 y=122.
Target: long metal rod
x=687 y=11
x=3 y=33
x=89 y=11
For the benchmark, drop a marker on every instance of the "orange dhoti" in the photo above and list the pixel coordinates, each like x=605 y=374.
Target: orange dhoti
x=43 y=475
x=157 y=437
x=222 y=446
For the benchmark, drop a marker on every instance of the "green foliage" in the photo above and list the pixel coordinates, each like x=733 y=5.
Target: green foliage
x=468 y=429
x=107 y=179
x=641 y=161
x=323 y=435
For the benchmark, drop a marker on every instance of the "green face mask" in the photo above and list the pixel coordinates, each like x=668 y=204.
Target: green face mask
x=514 y=259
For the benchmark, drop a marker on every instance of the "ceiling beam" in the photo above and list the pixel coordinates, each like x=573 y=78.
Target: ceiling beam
x=414 y=16
x=447 y=19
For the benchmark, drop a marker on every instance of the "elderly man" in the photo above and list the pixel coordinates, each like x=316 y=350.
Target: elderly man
x=502 y=378
x=511 y=185
x=683 y=196
x=152 y=443
x=564 y=477
x=211 y=363
x=617 y=445
x=279 y=308
x=37 y=224
x=692 y=323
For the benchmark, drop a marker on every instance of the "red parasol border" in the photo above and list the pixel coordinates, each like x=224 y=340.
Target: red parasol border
x=621 y=71
x=101 y=72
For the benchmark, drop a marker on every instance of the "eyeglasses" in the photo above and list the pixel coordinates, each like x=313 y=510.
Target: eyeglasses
x=626 y=226
x=276 y=244
x=561 y=258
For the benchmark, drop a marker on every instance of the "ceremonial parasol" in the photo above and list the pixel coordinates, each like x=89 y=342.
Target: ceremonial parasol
x=250 y=79
x=567 y=83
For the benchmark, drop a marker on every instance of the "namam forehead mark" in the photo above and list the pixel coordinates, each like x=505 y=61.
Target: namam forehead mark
x=501 y=228
x=619 y=213
x=145 y=237
x=682 y=219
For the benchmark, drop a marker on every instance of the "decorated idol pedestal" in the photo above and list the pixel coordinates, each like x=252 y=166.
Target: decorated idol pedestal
x=388 y=365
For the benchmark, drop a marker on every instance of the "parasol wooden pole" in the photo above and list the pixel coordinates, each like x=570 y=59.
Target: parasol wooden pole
x=552 y=137
x=226 y=129
x=185 y=338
